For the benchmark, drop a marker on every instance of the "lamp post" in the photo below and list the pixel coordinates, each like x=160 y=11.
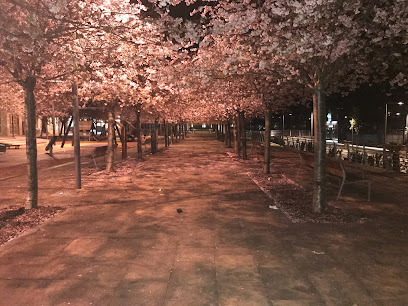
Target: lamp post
x=386 y=120
x=385 y=132
x=283 y=129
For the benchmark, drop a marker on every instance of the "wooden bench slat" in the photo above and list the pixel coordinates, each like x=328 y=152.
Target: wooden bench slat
x=98 y=152
x=336 y=168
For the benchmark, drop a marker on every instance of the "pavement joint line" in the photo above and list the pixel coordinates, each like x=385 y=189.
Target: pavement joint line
x=49 y=168
x=9 y=177
x=58 y=166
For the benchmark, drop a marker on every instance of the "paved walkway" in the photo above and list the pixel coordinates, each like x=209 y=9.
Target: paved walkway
x=123 y=243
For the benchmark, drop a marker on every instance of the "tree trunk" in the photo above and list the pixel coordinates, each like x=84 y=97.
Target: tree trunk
x=229 y=142
x=168 y=127
x=226 y=142
x=53 y=119
x=31 y=142
x=319 y=113
x=226 y=133
x=236 y=136
x=166 y=139
x=63 y=122
x=267 y=153
x=77 y=140
x=243 y=135
x=139 y=136
x=110 y=153
x=172 y=133
x=124 y=140
x=185 y=130
x=153 y=140
x=217 y=135
x=157 y=126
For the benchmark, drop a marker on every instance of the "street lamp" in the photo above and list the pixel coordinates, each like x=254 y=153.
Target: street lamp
x=283 y=129
x=386 y=120
x=385 y=132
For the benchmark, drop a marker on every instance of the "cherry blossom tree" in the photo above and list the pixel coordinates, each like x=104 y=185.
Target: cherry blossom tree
x=389 y=33
x=320 y=44
x=36 y=41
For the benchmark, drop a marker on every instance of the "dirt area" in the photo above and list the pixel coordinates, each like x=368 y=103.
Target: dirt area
x=17 y=220
x=56 y=187
x=289 y=185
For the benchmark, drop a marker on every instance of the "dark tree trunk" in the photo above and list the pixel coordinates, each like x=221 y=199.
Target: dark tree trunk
x=53 y=120
x=157 y=126
x=110 y=153
x=243 y=135
x=217 y=134
x=228 y=131
x=166 y=140
x=172 y=128
x=77 y=140
x=31 y=142
x=153 y=140
x=185 y=130
x=267 y=153
x=124 y=140
x=43 y=126
x=225 y=133
x=319 y=113
x=168 y=127
x=139 y=136
x=63 y=123
x=236 y=137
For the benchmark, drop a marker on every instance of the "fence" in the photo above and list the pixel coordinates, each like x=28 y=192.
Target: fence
x=395 y=159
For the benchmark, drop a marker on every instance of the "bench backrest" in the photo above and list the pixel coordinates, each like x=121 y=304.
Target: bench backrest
x=99 y=151
x=333 y=167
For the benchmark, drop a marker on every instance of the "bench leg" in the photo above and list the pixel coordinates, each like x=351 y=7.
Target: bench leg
x=96 y=165
x=341 y=188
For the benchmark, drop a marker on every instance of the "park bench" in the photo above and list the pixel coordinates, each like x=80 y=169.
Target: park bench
x=258 y=147
x=3 y=148
x=336 y=168
x=9 y=146
x=258 y=143
x=98 y=152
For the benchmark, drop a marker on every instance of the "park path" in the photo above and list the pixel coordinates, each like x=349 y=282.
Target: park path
x=124 y=243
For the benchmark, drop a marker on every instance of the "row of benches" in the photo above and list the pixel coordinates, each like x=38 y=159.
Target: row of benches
x=334 y=167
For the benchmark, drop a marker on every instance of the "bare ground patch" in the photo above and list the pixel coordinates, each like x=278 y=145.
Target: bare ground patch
x=16 y=220
x=293 y=199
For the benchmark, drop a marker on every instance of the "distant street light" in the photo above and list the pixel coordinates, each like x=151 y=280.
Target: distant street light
x=386 y=120
x=385 y=128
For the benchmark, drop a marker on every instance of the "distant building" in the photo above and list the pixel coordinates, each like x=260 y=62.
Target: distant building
x=11 y=124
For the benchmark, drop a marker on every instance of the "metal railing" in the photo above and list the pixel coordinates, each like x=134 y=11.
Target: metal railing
x=392 y=158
